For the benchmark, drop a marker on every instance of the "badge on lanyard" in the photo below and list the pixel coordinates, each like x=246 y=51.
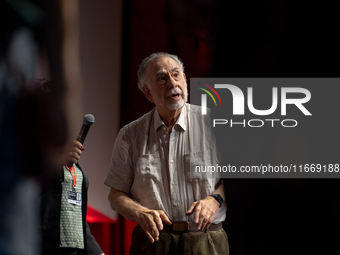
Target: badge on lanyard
x=74 y=198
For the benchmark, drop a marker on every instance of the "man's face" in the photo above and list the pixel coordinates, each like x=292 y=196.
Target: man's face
x=168 y=87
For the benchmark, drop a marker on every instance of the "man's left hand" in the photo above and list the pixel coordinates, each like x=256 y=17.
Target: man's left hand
x=204 y=212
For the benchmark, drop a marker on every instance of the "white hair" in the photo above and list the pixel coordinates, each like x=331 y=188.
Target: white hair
x=142 y=68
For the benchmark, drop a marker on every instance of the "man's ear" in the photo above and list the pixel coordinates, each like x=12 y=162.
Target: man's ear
x=147 y=93
x=185 y=77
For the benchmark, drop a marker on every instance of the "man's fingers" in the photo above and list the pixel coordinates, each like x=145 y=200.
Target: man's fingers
x=191 y=209
x=150 y=224
x=206 y=225
x=151 y=231
x=165 y=218
x=154 y=232
x=197 y=212
x=149 y=236
x=203 y=225
x=207 y=220
x=158 y=220
x=201 y=220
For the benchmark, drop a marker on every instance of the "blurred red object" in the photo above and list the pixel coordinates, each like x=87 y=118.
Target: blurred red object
x=95 y=216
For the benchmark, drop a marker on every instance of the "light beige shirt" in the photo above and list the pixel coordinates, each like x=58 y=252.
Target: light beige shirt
x=153 y=167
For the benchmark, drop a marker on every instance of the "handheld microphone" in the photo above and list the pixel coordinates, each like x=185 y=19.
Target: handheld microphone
x=88 y=120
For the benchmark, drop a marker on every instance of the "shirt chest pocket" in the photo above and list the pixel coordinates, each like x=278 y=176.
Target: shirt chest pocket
x=197 y=167
x=197 y=164
x=149 y=170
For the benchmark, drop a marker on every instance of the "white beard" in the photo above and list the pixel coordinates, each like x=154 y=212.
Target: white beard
x=173 y=105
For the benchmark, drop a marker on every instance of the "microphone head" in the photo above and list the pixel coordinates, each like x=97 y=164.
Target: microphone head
x=88 y=119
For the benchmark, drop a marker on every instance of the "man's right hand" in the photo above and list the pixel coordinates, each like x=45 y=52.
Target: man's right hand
x=151 y=222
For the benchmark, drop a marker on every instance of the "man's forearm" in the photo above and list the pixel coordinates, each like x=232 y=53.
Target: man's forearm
x=124 y=205
x=220 y=191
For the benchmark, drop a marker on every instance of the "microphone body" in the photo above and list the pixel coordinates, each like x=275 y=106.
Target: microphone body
x=82 y=134
x=88 y=120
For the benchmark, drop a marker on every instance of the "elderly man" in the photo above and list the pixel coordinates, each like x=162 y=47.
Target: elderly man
x=150 y=180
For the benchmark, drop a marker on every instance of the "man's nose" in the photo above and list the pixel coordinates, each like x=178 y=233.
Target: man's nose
x=172 y=82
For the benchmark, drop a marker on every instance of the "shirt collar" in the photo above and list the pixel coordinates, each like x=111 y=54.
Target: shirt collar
x=181 y=122
x=157 y=120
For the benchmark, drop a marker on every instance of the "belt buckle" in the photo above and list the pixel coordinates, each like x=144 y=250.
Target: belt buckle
x=180 y=226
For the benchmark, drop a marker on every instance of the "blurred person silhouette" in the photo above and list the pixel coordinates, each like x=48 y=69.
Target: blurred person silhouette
x=25 y=140
x=63 y=204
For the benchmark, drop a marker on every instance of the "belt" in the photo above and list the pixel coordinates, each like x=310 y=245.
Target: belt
x=185 y=226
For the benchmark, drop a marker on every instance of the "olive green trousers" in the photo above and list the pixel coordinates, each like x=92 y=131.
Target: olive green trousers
x=184 y=243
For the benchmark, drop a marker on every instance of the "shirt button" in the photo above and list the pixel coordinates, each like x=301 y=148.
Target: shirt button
x=175 y=204
x=172 y=161
x=173 y=183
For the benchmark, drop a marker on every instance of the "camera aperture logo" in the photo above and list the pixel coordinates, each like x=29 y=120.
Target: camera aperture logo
x=238 y=105
x=204 y=97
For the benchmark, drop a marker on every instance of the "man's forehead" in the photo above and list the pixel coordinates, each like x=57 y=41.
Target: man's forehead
x=162 y=63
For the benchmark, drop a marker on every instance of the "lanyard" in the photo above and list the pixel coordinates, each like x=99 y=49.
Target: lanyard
x=74 y=175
